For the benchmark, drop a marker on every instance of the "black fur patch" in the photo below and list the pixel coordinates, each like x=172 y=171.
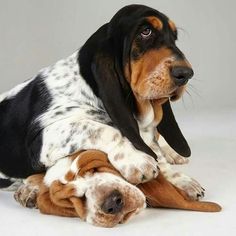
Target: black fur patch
x=4 y=183
x=170 y=130
x=20 y=141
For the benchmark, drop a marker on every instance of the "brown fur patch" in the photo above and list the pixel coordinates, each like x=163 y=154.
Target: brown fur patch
x=158 y=112
x=94 y=160
x=60 y=200
x=147 y=63
x=35 y=180
x=172 y=25
x=156 y=23
x=70 y=176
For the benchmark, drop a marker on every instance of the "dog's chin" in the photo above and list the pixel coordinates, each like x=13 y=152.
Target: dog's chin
x=177 y=94
x=128 y=215
x=155 y=97
x=174 y=95
x=112 y=221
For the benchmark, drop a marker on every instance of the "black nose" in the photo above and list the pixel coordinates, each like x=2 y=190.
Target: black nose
x=181 y=74
x=113 y=203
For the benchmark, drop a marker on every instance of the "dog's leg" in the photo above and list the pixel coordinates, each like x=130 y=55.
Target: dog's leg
x=171 y=155
x=69 y=137
x=179 y=179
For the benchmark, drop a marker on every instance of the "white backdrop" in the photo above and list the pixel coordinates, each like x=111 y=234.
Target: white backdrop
x=36 y=33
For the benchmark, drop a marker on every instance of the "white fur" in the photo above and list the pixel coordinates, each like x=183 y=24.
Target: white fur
x=58 y=171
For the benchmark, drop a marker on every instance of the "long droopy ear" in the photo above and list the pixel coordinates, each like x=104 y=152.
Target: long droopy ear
x=171 y=132
x=113 y=97
x=107 y=83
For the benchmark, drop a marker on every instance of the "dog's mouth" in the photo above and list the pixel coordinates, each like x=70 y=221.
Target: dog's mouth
x=160 y=100
x=174 y=95
x=127 y=216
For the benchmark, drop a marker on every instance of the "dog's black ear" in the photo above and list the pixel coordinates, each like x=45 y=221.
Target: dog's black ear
x=171 y=132
x=107 y=81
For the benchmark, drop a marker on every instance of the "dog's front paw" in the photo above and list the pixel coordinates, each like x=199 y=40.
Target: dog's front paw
x=26 y=195
x=173 y=157
x=189 y=185
x=136 y=167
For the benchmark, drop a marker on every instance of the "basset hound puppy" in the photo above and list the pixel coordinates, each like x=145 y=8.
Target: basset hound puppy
x=112 y=95
x=92 y=189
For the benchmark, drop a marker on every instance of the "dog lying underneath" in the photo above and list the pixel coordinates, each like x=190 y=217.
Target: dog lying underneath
x=92 y=189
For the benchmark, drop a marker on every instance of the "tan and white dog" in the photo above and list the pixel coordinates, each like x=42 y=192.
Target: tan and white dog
x=92 y=189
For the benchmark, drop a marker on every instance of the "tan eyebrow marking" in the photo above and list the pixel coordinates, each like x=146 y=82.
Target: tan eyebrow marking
x=172 y=25
x=156 y=23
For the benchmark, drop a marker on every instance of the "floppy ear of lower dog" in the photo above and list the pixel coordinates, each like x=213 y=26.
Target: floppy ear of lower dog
x=161 y=193
x=60 y=200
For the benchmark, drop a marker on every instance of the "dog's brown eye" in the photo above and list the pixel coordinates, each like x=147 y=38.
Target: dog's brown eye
x=146 y=32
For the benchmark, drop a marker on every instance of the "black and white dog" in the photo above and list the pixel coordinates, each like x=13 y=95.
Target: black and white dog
x=112 y=95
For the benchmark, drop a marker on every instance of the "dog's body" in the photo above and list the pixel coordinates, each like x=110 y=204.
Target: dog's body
x=70 y=118
x=67 y=108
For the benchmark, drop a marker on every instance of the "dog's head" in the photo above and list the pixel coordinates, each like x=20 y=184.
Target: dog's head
x=111 y=200
x=91 y=189
x=133 y=64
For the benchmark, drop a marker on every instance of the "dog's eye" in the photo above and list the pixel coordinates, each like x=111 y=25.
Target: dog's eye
x=146 y=32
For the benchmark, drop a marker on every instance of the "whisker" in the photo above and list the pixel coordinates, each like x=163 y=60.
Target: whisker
x=189 y=94
x=198 y=80
x=183 y=101
x=183 y=30
x=194 y=90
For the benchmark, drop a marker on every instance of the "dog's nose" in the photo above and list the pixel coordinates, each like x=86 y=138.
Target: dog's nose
x=113 y=203
x=181 y=74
